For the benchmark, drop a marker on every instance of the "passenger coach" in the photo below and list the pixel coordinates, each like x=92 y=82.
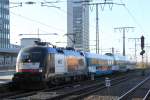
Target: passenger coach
x=99 y=64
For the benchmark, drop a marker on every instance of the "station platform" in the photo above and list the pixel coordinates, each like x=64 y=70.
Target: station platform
x=6 y=75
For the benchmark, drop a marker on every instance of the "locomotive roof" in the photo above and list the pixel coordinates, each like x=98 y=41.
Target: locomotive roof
x=57 y=50
x=64 y=51
x=78 y=53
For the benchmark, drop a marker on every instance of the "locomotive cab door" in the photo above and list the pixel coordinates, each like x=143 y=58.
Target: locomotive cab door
x=50 y=66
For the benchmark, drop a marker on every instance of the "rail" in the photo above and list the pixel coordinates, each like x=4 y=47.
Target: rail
x=63 y=95
x=80 y=93
x=133 y=89
x=147 y=95
x=30 y=93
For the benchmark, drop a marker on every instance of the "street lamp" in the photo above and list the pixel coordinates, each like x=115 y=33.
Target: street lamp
x=17 y=4
x=60 y=42
x=45 y=3
x=30 y=2
x=39 y=34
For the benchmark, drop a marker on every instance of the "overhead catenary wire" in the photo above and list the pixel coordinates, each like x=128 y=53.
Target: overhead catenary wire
x=39 y=22
x=129 y=12
x=33 y=20
x=66 y=12
x=133 y=17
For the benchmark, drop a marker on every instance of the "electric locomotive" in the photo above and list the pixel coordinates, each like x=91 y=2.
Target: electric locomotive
x=42 y=64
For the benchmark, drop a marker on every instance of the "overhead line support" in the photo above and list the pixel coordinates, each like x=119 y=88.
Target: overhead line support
x=97 y=17
x=135 y=40
x=124 y=30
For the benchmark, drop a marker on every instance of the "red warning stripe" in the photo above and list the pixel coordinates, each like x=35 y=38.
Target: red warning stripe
x=28 y=70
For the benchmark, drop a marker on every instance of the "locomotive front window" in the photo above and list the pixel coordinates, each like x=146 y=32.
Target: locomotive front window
x=31 y=57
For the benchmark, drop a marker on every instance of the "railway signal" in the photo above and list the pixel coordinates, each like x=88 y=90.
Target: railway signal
x=142 y=45
x=142 y=52
x=142 y=42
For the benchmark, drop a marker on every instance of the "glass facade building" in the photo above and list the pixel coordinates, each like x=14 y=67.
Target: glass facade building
x=78 y=25
x=4 y=24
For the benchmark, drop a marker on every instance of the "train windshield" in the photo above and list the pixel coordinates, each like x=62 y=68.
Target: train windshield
x=32 y=55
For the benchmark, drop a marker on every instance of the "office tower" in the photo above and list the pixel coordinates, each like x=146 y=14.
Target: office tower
x=4 y=24
x=78 y=24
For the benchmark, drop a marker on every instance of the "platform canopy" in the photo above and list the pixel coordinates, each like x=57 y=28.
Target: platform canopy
x=9 y=51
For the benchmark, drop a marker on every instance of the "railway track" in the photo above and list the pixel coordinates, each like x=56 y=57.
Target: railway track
x=9 y=94
x=69 y=91
x=92 y=89
x=147 y=96
x=75 y=91
x=4 y=87
x=132 y=89
x=22 y=94
x=140 y=91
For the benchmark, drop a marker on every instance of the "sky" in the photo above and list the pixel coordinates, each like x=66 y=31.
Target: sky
x=31 y=19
